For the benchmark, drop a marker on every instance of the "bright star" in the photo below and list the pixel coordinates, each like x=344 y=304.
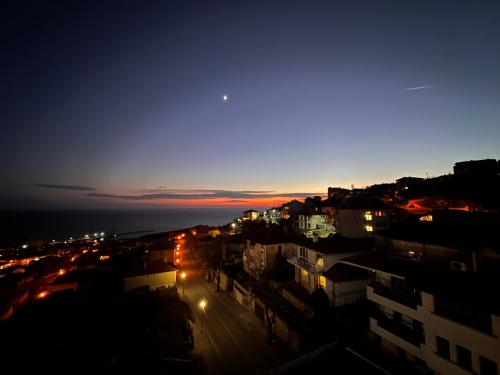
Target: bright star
x=225 y=98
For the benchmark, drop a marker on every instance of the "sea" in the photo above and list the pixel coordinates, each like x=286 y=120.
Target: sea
x=17 y=227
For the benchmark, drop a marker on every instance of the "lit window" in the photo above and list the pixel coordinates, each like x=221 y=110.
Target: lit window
x=320 y=263
x=322 y=282
x=368 y=216
x=369 y=228
x=304 y=273
x=426 y=218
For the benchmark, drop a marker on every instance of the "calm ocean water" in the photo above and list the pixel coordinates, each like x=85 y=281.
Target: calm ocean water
x=20 y=226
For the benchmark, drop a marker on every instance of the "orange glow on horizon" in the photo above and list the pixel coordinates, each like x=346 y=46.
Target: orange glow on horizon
x=221 y=202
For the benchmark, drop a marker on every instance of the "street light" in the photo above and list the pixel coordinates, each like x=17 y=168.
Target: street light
x=183 y=277
x=203 y=304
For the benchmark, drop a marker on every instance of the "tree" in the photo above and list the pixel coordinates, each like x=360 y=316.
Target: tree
x=271 y=323
x=214 y=262
x=283 y=270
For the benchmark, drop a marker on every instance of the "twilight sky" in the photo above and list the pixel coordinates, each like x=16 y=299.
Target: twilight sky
x=119 y=104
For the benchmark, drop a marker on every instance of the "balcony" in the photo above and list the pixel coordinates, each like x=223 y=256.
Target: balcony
x=304 y=264
x=410 y=335
x=404 y=297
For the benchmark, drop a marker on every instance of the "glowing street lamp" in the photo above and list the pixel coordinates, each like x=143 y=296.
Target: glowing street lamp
x=203 y=304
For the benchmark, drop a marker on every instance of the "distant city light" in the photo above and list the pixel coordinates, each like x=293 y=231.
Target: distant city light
x=102 y=233
x=95 y=234
x=62 y=271
x=233 y=225
x=42 y=295
x=25 y=246
x=183 y=275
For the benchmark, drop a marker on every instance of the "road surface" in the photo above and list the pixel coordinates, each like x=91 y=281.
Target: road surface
x=227 y=337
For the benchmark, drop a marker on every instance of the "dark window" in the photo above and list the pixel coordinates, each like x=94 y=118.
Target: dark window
x=487 y=366
x=397 y=316
x=279 y=250
x=464 y=357
x=443 y=347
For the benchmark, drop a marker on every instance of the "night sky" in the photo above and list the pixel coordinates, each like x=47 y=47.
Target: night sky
x=120 y=104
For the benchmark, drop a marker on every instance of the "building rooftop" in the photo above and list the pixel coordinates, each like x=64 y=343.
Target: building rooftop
x=272 y=234
x=342 y=272
x=152 y=268
x=363 y=202
x=337 y=244
x=455 y=229
x=466 y=287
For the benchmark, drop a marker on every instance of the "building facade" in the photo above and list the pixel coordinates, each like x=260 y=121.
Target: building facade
x=314 y=224
x=417 y=314
x=260 y=256
x=314 y=262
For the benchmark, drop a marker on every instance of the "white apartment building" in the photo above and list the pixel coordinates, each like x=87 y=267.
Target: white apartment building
x=437 y=318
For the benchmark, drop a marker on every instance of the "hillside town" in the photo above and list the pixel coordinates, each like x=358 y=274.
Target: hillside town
x=393 y=278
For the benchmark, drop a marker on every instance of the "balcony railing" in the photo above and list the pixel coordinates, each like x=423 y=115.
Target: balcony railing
x=414 y=337
x=404 y=297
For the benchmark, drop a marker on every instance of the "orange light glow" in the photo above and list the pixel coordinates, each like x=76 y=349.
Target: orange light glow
x=104 y=257
x=62 y=271
x=177 y=260
x=42 y=295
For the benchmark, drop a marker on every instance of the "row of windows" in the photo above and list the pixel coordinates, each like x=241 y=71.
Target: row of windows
x=369 y=215
x=464 y=357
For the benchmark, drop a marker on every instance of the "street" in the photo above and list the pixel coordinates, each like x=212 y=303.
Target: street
x=233 y=340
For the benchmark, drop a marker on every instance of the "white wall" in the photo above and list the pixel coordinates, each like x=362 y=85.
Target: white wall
x=479 y=343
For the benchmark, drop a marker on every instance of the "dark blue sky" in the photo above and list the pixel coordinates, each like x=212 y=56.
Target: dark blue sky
x=125 y=98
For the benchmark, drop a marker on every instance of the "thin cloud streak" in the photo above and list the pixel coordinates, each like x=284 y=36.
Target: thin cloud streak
x=66 y=187
x=419 y=87
x=164 y=190
x=203 y=194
